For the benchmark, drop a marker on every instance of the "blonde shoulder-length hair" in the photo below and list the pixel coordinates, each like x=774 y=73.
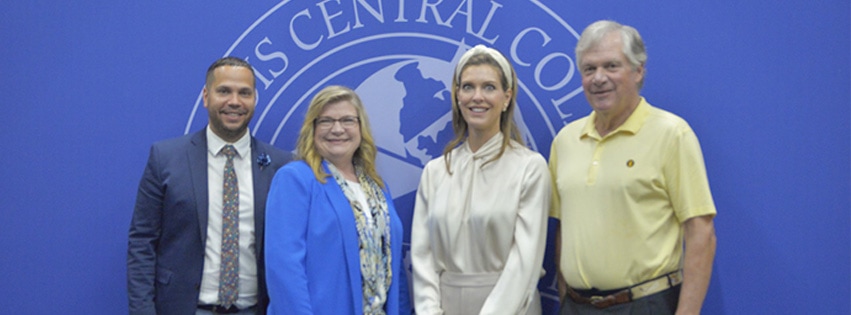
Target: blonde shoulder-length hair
x=306 y=147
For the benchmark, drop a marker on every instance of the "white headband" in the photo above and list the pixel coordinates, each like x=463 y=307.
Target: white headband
x=481 y=49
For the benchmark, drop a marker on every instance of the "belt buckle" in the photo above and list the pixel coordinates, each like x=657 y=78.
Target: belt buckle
x=600 y=302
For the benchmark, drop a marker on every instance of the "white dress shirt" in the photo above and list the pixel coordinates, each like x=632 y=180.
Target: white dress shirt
x=247 y=255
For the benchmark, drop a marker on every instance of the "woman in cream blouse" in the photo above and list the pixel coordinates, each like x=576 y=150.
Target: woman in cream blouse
x=480 y=220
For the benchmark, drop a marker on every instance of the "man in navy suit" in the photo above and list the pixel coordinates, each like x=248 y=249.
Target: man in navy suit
x=174 y=257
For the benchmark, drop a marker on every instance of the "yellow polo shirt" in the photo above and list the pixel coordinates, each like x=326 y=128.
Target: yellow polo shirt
x=622 y=198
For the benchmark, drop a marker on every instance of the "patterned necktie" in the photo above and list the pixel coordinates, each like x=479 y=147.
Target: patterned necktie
x=229 y=281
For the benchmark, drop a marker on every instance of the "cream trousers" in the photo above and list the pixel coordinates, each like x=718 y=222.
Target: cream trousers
x=464 y=294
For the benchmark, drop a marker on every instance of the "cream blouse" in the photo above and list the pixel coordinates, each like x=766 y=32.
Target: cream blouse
x=484 y=218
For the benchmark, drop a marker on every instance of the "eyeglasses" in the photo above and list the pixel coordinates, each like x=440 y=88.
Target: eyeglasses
x=328 y=122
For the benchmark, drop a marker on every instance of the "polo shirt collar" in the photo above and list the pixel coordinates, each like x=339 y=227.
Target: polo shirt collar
x=631 y=125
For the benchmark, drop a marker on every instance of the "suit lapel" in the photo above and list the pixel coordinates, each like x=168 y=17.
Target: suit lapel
x=345 y=217
x=197 y=156
x=261 y=179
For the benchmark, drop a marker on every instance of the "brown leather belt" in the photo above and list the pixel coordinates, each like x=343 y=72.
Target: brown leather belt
x=629 y=294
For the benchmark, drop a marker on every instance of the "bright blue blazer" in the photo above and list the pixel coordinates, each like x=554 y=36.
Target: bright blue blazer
x=312 y=259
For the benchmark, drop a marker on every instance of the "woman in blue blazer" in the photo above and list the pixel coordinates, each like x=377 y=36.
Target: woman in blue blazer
x=333 y=238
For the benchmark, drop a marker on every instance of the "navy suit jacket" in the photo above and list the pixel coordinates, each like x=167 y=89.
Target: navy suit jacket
x=168 y=232
x=312 y=248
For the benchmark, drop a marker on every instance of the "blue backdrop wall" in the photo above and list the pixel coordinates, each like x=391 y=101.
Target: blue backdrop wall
x=88 y=87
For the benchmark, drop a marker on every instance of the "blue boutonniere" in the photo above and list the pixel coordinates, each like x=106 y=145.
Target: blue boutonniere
x=263 y=160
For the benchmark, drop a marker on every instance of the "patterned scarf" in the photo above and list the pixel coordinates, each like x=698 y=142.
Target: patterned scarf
x=373 y=238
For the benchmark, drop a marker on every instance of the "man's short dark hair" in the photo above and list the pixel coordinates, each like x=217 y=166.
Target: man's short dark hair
x=228 y=61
